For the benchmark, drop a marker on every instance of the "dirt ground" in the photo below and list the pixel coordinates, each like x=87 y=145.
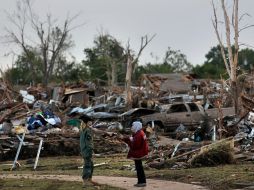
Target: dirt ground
x=122 y=182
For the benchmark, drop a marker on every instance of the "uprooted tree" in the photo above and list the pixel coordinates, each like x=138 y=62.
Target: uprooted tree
x=132 y=61
x=30 y=33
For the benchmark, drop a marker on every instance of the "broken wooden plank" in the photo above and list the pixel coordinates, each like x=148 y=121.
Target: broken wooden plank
x=206 y=147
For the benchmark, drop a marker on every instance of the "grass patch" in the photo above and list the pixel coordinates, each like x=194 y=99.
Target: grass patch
x=216 y=178
x=45 y=184
x=219 y=177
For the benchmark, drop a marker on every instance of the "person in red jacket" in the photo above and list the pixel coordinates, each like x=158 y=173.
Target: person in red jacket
x=138 y=149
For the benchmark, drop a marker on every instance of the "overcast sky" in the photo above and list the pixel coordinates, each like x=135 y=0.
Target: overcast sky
x=183 y=25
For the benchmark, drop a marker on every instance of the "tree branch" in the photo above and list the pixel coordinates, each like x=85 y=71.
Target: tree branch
x=215 y=25
x=227 y=26
x=249 y=26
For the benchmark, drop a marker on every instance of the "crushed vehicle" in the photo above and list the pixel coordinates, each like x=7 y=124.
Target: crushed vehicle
x=187 y=114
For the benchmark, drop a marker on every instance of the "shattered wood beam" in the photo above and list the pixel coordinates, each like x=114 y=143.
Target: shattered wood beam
x=185 y=154
x=27 y=113
x=2 y=101
x=10 y=111
x=4 y=115
x=148 y=80
x=6 y=106
x=6 y=91
x=198 y=149
x=7 y=95
x=247 y=102
x=17 y=106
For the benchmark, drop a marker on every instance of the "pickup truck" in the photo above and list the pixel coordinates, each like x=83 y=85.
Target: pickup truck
x=188 y=113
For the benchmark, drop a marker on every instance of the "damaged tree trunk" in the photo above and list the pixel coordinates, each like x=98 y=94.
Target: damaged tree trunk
x=128 y=82
x=235 y=94
x=131 y=63
x=231 y=62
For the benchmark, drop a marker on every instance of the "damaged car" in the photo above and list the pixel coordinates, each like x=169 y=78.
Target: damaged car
x=188 y=114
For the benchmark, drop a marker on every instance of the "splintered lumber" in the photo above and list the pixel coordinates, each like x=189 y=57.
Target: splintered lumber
x=248 y=103
x=4 y=115
x=7 y=106
x=216 y=154
x=206 y=147
x=11 y=110
x=185 y=154
x=4 y=137
x=26 y=114
x=228 y=141
x=101 y=164
x=96 y=165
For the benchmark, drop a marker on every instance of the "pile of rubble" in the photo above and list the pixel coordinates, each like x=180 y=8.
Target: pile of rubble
x=36 y=114
x=173 y=154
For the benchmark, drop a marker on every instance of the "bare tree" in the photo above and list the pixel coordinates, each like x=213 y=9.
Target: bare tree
x=231 y=62
x=45 y=36
x=131 y=62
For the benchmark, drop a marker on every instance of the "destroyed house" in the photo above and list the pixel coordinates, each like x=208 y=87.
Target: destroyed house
x=173 y=83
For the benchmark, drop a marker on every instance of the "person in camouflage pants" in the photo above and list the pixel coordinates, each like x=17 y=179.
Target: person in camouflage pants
x=87 y=147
